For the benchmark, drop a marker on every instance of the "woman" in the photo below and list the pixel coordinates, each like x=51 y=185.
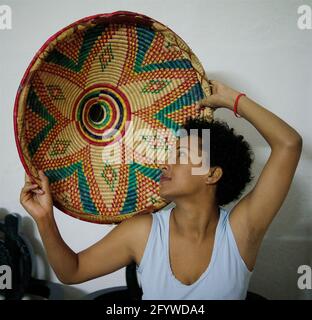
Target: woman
x=197 y=250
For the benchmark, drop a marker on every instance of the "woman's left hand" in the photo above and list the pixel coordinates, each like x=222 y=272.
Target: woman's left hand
x=222 y=97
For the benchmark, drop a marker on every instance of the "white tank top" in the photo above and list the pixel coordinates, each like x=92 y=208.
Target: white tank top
x=226 y=277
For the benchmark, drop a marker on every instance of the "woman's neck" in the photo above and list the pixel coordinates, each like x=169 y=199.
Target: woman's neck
x=195 y=221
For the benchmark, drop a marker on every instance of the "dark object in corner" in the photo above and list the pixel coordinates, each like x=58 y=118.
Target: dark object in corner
x=16 y=253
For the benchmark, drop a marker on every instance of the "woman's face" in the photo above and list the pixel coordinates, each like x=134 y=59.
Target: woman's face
x=183 y=182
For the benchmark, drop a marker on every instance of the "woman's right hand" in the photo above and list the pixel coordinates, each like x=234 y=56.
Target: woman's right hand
x=35 y=200
x=222 y=96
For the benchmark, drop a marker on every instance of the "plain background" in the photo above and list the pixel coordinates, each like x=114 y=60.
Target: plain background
x=254 y=46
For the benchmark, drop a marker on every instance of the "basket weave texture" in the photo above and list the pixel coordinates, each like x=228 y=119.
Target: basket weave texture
x=92 y=87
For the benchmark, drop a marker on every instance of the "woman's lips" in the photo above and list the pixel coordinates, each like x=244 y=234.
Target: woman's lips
x=162 y=179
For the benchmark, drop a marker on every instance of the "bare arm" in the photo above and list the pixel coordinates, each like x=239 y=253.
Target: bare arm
x=253 y=214
x=109 y=254
x=263 y=202
x=62 y=259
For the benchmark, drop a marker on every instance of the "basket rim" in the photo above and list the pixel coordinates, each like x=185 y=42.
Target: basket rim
x=99 y=219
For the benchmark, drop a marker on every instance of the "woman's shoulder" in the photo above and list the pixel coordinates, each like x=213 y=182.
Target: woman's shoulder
x=140 y=227
x=141 y=223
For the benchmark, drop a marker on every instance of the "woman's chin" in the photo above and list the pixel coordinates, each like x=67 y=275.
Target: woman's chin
x=162 y=193
x=165 y=195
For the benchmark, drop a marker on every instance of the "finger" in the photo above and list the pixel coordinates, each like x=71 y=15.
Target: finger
x=30 y=183
x=213 y=87
x=29 y=179
x=199 y=107
x=45 y=181
x=206 y=102
x=29 y=187
x=38 y=191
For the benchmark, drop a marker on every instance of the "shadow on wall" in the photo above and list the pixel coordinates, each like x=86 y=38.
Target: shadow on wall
x=288 y=242
x=275 y=274
x=286 y=245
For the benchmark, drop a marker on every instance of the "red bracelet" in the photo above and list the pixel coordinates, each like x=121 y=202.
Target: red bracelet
x=236 y=103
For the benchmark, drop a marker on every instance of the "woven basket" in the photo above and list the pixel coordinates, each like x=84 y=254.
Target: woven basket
x=89 y=89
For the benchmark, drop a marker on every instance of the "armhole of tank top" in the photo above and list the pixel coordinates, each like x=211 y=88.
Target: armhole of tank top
x=140 y=267
x=235 y=246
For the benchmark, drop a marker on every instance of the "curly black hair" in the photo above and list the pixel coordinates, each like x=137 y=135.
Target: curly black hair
x=229 y=151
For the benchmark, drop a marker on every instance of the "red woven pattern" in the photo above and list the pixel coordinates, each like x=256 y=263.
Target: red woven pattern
x=88 y=90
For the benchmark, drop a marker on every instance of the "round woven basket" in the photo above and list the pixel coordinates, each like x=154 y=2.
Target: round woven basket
x=97 y=102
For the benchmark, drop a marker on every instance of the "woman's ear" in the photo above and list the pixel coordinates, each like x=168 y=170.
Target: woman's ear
x=214 y=175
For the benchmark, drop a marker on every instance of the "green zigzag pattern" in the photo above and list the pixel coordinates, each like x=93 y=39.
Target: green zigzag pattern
x=89 y=39
x=145 y=39
x=62 y=173
x=193 y=95
x=36 y=106
x=131 y=198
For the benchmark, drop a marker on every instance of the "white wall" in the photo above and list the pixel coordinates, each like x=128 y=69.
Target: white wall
x=254 y=46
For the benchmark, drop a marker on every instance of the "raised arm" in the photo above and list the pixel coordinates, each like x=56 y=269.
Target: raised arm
x=252 y=215
x=111 y=253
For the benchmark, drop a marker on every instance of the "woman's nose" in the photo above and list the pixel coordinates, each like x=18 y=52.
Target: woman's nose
x=164 y=167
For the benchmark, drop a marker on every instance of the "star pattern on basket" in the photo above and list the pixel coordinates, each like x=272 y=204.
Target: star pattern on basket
x=155 y=80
